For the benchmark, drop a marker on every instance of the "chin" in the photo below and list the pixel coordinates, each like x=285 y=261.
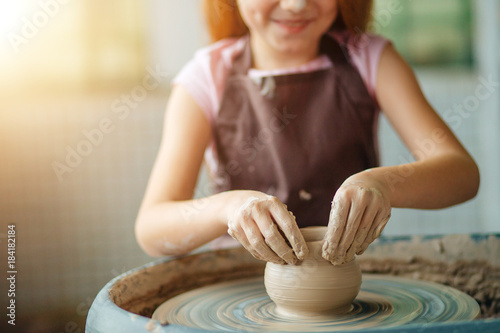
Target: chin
x=293 y=45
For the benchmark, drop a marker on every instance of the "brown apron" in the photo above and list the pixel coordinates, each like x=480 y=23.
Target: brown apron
x=298 y=136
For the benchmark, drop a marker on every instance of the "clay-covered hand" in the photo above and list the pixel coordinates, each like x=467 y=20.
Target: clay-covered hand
x=360 y=210
x=266 y=228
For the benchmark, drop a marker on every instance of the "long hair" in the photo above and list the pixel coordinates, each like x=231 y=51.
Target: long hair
x=224 y=20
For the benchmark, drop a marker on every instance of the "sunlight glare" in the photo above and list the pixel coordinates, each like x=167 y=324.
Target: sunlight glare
x=10 y=16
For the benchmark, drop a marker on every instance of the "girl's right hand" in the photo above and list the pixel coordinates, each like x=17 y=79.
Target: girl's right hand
x=266 y=228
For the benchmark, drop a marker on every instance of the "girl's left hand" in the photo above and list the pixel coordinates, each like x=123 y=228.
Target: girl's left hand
x=360 y=210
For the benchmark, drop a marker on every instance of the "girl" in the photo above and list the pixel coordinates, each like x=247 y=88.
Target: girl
x=284 y=109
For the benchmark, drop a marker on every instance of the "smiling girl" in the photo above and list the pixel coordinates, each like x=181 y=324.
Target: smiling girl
x=284 y=108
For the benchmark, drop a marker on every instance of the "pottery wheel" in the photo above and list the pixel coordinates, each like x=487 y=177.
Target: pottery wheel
x=383 y=301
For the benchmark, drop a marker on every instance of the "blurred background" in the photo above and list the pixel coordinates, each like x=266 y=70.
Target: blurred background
x=83 y=88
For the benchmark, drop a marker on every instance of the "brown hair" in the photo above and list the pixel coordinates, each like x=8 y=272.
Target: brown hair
x=224 y=20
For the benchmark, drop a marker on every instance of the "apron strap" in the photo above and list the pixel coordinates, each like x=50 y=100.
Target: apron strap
x=337 y=53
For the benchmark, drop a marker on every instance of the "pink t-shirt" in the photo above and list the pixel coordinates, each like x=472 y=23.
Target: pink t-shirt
x=205 y=75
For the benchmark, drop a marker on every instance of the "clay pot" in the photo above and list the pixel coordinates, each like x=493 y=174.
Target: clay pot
x=314 y=287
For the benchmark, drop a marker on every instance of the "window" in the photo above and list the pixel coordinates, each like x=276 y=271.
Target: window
x=80 y=43
x=427 y=32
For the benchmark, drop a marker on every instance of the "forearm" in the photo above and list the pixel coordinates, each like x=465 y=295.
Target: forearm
x=178 y=227
x=436 y=182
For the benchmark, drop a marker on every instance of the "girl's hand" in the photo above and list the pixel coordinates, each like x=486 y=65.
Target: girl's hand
x=360 y=210
x=266 y=228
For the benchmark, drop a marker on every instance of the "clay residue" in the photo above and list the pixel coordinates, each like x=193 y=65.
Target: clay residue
x=153 y=326
x=478 y=279
x=448 y=248
x=141 y=292
x=187 y=282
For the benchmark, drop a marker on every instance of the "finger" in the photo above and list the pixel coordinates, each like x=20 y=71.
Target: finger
x=336 y=225
x=353 y=220
x=379 y=224
x=273 y=238
x=286 y=222
x=258 y=244
x=380 y=228
x=237 y=231
x=240 y=237
x=369 y=237
x=363 y=248
x=364 y=229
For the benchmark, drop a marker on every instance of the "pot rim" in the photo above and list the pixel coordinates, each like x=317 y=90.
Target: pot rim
x=313 y=234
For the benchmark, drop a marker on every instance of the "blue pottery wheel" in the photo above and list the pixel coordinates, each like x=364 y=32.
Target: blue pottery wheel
x=126 y=303
x=383 y=301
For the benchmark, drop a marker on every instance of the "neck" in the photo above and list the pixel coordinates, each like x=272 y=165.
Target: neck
x=268 y=58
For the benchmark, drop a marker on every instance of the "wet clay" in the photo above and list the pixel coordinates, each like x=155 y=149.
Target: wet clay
x=313 y=287
x=476 y=278
x=270 y=242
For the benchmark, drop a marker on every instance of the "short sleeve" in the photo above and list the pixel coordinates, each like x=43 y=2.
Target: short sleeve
x=196 y=79
x=365 y=52
x=205 y=75
x=204 y=79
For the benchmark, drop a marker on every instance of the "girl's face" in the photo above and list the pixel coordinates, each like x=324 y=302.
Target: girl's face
x=291 y=26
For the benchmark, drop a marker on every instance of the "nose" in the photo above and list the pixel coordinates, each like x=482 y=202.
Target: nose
x=293 y=5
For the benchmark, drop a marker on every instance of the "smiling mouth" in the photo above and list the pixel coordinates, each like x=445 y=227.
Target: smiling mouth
x=293 y=26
